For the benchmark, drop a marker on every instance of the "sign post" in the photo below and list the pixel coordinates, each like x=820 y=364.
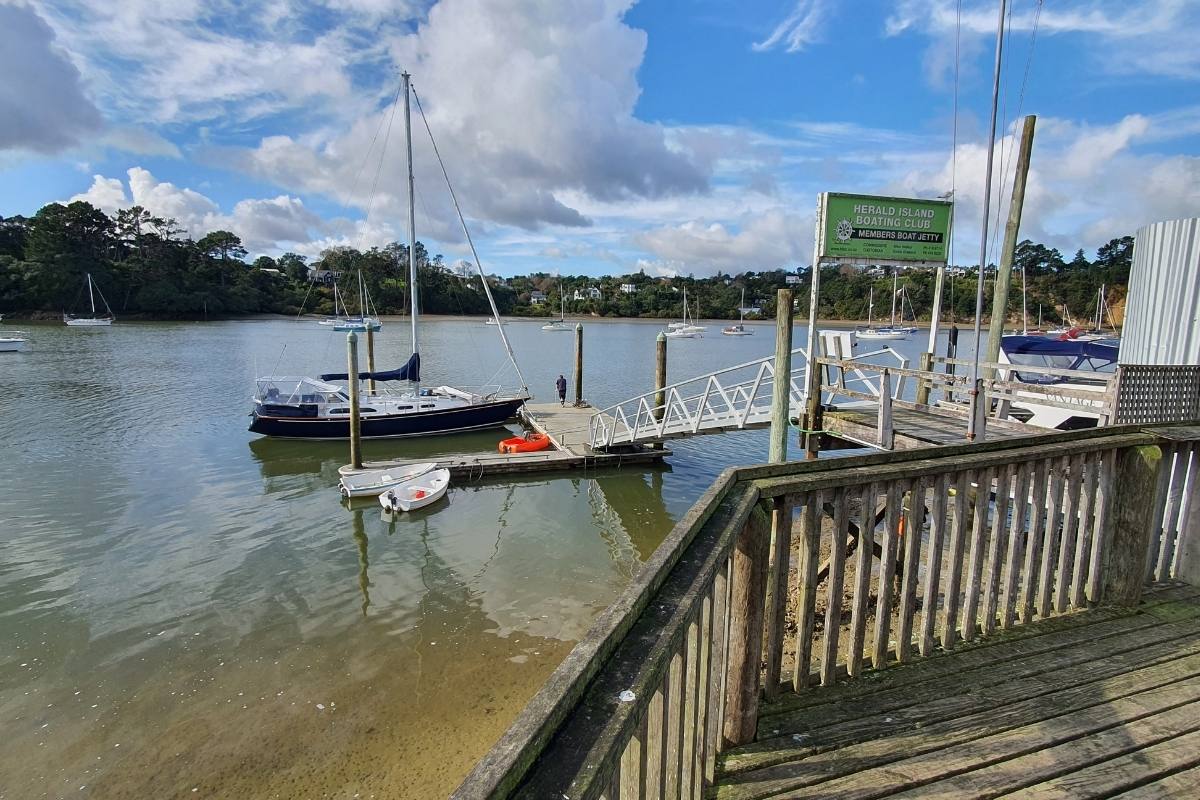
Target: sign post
x=864 y=230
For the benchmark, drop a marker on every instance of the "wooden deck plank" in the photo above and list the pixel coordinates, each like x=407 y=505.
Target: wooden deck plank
x=1119 y=774
x=933 y=705
x=1030 y=754
x=989 y=673
x=1176 y=786
x=817 y=768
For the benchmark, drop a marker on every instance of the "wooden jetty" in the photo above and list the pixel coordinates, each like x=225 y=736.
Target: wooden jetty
x=1032 y=628
x=567 y=427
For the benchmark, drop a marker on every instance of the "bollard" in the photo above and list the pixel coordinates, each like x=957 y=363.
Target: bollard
x=781 y=397
x=370 y=359
x=355 y=426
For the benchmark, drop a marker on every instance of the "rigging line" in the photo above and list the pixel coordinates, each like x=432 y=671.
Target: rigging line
x=387 y=135
x=367 y=155
x=478 y=264
x=1006 y=24
x=1006 y=162
x=954 y=122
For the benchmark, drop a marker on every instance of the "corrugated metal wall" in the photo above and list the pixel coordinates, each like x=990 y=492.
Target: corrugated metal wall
x=1162 y=313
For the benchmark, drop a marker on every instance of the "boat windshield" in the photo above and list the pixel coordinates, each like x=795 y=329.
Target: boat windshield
x=1030 y=351
x=296 y=391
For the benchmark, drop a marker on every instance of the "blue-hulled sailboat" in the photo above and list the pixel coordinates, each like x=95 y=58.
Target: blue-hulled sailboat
x=319 y=408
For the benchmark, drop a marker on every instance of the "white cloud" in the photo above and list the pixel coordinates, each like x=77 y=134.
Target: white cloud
x=43 y=107
x=264 y=225
x=106 y=194
x=139 y=141
x=764 y=241
x=801 y=28
x=540 y=105
x=1151 y=37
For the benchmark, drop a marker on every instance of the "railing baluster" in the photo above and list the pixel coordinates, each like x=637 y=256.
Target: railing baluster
x=1083 y=542
x=933 y=564
x=1183 y=565
x=837 y=568
x=1101 y=527
x=991 y=588
x=979 y=510
x=1066 y=550
x=1157 y=523
x=1172 y=515
x=864 y=557
x=958 y=547
x=654 y=753
x=718 y=671
x=806 y=604
x=1050 y=540
x=777 y=592
x=912 y=568
x=674 y=726
x=706 y=695
x=1016 y=546
x=887 y=570
x=691 y=692
x=1034 y=542
x=632 y=779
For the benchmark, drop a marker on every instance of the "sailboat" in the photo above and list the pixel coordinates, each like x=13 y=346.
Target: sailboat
x=739 y=329
x=885 y=332
x=362 y=322
x=683 y=330
x=561 y=323
x=93 y=320
x=319 y=408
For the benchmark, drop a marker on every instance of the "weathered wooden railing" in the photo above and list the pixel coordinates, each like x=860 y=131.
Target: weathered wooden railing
x=969 y=539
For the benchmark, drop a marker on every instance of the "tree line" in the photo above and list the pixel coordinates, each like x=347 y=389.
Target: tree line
x=146 y=266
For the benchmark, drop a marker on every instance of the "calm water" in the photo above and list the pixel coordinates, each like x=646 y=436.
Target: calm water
x=188 y=610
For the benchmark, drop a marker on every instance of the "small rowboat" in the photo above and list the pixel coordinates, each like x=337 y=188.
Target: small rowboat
x=378 y=481
x=529 y=443
x=417 y=492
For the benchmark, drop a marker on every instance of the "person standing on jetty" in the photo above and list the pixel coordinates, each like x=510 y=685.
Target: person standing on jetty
x=561 y=385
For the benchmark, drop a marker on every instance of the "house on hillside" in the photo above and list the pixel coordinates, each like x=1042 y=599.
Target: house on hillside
x=792 y=280
x=629 y=288
x=590 y=293
x=537 y=297
x=325 y=276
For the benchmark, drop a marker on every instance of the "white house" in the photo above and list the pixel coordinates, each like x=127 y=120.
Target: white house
x=629 y=288
x=325 y=276
x=791 y=280
x=537 y=297
x=590 y=293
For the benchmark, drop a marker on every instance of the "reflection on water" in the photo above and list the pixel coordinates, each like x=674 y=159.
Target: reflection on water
x=184 y=606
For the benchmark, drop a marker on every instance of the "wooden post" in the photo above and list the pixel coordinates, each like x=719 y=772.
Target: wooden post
x=746 y=604
x=812 y=405
x=885 y=435
x=978 y=411
x=777 y=592
x=1132 y=508
x=923 y=387
x=1004 y=272
x=951 y=352
x=352 y=382
x=371 y=359
x=781 y=393
x=1187 y=563
x=578 y=364
x=660 y=380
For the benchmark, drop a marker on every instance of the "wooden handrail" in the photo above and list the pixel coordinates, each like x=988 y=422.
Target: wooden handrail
x=644 y=698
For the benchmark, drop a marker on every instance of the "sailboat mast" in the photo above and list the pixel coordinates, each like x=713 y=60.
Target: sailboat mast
x=412 y=215
x=91 y=297
x=895 y=282
x=870 y=307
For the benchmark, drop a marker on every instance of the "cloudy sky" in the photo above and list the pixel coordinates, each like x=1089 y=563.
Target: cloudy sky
x=595 y=136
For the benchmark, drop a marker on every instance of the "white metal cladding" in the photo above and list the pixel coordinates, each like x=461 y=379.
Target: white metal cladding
x=1162 y=313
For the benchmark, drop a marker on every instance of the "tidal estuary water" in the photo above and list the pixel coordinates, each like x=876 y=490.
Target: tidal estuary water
x=188 y=610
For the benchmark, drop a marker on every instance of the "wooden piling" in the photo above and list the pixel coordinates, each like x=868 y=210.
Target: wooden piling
x=370 y=359
x=781 y=406
x=660 y=380
x=1004 y=272
x=923 y=383
x=578 y=363
x=355 y=421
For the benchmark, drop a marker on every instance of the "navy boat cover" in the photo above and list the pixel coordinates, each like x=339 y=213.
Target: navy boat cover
x=409 y=372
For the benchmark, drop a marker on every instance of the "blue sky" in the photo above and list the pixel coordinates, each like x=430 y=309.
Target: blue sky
x=597 y=136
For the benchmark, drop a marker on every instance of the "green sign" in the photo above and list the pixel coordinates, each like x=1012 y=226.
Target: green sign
x=884 y=229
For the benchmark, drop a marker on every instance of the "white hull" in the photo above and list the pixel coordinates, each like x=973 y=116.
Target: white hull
x=376 y=482
x=416 y=493
x=556 y=326
x=11 y=345
x=680 y=333
x=879 y=333
x=85 y=322
x=737 y=333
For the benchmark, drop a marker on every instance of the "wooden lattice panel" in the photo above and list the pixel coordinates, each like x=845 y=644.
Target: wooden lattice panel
x=1153 y=393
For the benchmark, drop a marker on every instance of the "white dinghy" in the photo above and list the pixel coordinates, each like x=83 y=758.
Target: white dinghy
x=377 y=481
x=416 y=492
